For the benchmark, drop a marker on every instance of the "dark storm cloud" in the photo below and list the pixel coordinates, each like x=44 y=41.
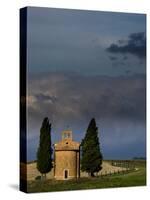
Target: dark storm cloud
x=125 y=57
x=73 y=96
x=42 y=98
x=117 y=103
x=112 y=58
x=119 y=137
x=118 y=64
x=128 y=72
x=76 y=40
x=71 y=78
x=135 y=45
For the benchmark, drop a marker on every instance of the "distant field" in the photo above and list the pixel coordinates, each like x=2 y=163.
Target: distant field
x=130 y=178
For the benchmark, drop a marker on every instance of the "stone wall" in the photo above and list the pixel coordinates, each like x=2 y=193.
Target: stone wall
x=65 y=160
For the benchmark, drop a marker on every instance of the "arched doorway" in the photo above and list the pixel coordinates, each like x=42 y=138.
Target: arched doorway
x=66 y=173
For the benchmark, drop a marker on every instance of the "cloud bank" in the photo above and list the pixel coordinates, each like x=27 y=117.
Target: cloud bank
x=135 y=44
x=117 y=103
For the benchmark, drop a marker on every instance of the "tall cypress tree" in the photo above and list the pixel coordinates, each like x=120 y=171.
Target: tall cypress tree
x=91 y=161
x=44 y=153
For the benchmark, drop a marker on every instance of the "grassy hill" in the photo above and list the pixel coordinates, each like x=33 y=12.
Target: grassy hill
x=131 y=178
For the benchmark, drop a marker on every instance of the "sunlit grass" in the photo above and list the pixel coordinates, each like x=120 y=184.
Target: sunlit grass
x=132 y=178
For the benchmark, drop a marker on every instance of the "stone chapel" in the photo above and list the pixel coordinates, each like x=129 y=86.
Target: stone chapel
x=66 y=157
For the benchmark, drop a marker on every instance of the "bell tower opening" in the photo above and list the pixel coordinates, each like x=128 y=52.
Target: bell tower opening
x=67 y=134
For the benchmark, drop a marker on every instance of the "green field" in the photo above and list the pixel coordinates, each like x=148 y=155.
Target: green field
x=131 y=178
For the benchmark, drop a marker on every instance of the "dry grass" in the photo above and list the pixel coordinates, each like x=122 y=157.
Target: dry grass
x=32 y=171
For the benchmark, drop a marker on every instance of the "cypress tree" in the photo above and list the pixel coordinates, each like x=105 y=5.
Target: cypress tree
x=91 y=161
x=44 y=152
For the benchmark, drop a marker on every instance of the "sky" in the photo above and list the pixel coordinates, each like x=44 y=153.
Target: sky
x=85 y=64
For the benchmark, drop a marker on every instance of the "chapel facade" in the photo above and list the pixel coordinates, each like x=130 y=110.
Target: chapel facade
x=66 y=157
